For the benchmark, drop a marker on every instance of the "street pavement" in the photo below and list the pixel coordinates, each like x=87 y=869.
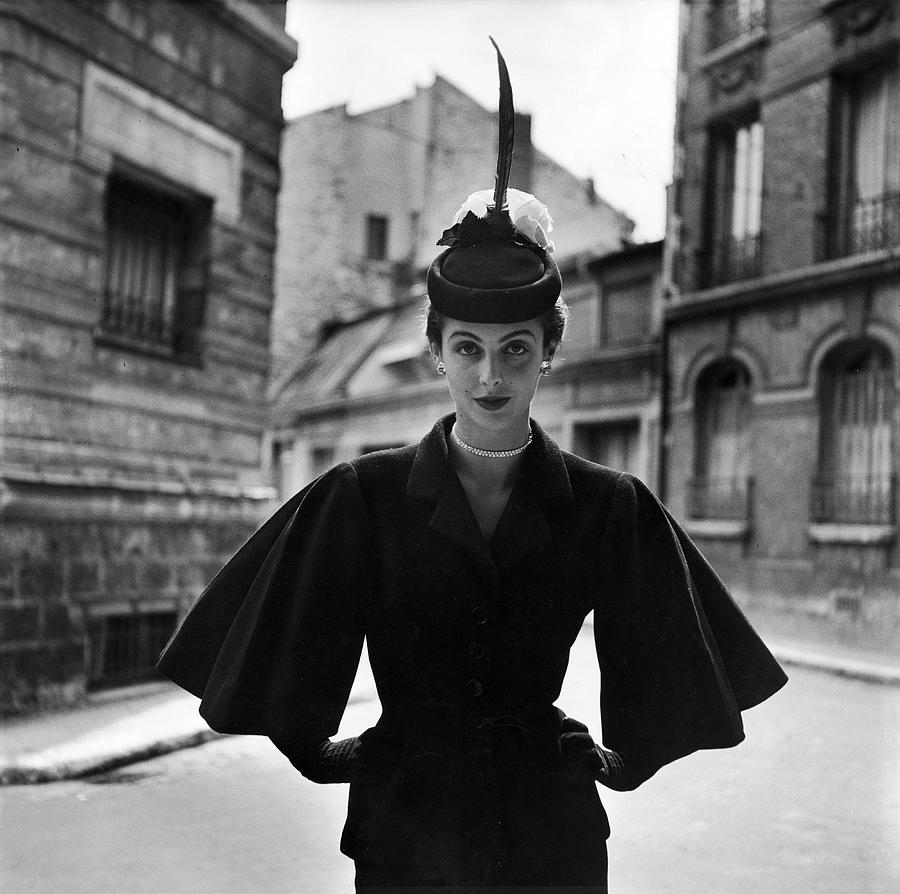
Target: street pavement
x=810 y=803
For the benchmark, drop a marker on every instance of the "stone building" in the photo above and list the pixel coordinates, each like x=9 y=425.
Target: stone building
x=140 y=146
x=783 y=327
x=370 y=384
x=365 y=197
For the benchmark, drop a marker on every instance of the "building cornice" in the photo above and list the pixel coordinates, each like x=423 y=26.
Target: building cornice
x=261 y=29
x=240 y=14
x=599 y=357
x=734 y=47
x=813 y=278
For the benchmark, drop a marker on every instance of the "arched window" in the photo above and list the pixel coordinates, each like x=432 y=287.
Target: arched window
x=721 y=484
x=856 y=443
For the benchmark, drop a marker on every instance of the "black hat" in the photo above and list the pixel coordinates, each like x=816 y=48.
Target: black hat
x=497 y=268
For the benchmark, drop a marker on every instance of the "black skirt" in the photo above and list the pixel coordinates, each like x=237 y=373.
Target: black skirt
x=374 y=877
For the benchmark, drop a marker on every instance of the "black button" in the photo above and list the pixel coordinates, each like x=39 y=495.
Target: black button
x=475 y=687
x=476 y=650
x=479 y=615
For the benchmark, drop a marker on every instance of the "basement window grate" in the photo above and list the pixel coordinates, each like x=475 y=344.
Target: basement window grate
x=125 y=648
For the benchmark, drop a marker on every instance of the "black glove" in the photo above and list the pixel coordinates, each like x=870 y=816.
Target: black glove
x=609 y=768
x=322 y=761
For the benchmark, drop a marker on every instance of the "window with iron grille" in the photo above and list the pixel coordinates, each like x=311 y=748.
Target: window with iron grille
x=376 y=237
x=156 y=268
x=126 y=647
x=864 y=212
x=855 y=481
x=721 y=486
x=734 y=202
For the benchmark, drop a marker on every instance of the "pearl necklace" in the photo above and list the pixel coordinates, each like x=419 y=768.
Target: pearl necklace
x=491 y=454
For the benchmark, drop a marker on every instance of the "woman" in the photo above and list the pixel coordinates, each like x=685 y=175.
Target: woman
x=469 y=563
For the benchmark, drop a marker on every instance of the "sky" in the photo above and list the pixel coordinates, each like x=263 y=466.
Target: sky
x=597 y=76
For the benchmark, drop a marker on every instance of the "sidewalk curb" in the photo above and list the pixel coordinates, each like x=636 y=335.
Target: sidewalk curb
x=864 y=671
x=45 y=766
x=37 y=772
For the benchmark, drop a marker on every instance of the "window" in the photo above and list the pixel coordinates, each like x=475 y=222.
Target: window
x=626 y=312
x=125 y=648
x=855 y=482
x=156 y=259
x=414 y=227
x=734 y=203
x=282 y=468
x=376 y=237
x=866 y=166
x=732 y=18
x=721 y=485
x=612 y=444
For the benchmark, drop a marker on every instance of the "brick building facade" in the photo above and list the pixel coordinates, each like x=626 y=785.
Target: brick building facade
x=783 y=327
x=366 y=196
x=139 y=182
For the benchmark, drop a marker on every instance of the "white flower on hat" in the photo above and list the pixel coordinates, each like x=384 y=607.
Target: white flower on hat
x=528 y=214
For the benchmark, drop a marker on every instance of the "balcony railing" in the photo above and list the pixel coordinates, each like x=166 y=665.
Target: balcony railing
x=730 y=260
x=853 y=499
x=720 y=497
x=730 y=19
x=859 y=227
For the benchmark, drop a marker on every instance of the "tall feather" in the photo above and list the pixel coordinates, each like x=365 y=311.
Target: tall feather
x=507 y=135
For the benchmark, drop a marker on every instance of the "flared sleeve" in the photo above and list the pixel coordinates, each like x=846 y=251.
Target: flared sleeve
x=678 y=659
x=273 y=643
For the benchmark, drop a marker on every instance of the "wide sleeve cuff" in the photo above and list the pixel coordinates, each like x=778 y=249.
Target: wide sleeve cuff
x=678 y=659
x=273 y=643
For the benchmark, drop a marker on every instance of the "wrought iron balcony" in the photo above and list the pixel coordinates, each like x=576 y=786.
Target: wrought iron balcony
x=730 y=19
x=853 y=499
x=720 y=497
x=861 y=226
x=730 y=260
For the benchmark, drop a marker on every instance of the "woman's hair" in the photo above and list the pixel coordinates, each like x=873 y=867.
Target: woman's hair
x=552 y=321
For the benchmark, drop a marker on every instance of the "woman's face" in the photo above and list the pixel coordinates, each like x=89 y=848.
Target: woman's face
x=492 y=371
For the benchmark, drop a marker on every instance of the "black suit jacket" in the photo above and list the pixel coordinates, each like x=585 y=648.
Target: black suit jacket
x=469 y=644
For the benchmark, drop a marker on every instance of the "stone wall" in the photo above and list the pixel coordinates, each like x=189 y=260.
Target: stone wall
x=128 y=473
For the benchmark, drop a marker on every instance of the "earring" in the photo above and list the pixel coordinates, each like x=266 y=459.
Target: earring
x=546 y=367
x=440 y=368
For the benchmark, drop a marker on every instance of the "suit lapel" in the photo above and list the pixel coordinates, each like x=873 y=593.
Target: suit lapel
x=453 y=518
x=522 y=527
x=543 y=484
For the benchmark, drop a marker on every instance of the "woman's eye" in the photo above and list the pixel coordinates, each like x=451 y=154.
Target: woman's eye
x=517 y=349
x=467 y=348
